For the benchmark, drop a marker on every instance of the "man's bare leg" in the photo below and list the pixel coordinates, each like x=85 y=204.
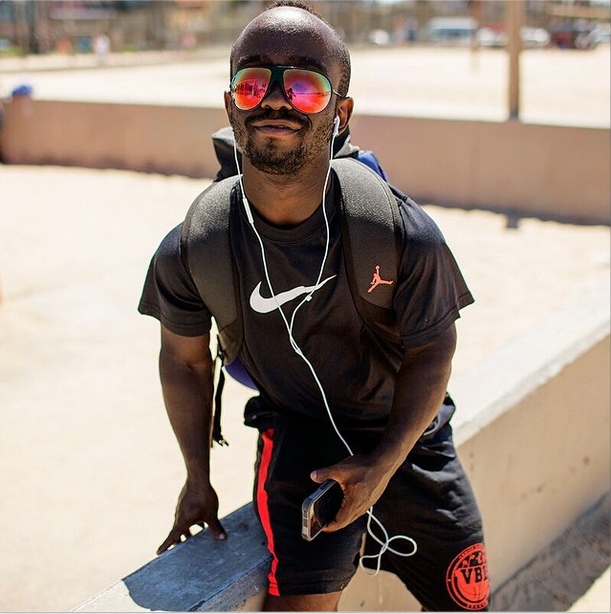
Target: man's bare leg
x=302 y=603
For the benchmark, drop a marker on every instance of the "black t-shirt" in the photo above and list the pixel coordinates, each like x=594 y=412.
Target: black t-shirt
x=355 y=368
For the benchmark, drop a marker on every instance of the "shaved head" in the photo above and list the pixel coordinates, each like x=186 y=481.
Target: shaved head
x=275 y=137
x=287 y=18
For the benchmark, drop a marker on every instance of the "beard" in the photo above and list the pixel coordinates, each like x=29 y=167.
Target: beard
x=269 y=159
x=272 y=159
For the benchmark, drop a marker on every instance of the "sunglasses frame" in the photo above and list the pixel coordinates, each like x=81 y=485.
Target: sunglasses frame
x=277 y=76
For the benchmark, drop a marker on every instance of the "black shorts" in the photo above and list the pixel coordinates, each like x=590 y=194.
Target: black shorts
x=428 y=499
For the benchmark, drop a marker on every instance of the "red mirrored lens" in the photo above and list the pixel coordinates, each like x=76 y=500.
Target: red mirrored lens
x=248 y=87
x=307 y=91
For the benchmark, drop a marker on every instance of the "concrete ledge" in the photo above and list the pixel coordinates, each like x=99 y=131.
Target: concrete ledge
x=515 y=371
x=532 y=429
x=533 y=432
x=200 y=574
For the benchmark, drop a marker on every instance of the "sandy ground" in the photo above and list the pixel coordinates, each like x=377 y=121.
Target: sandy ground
x=557 y=86
x=90 y=468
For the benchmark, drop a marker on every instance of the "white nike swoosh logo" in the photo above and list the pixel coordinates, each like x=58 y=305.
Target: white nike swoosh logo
x=267 y=305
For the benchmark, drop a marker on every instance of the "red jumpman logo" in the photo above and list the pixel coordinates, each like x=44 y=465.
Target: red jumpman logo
x=377 y=280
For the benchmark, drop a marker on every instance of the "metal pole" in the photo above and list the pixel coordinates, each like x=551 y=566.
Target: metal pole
x=476 y=13
x=514 y=19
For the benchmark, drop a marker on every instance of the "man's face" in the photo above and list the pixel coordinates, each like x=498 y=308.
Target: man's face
x=276 y=138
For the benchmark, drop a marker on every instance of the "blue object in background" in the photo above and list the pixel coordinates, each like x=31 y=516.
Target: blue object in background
x=22 y=90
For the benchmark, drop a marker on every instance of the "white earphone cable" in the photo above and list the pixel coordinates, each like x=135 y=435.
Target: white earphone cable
x=387 y=540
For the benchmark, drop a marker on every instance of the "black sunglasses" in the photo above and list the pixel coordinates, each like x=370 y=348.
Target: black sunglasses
x=308 y=91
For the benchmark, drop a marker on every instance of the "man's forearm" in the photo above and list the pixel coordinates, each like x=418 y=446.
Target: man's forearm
x=420 y=390
x=187 y=393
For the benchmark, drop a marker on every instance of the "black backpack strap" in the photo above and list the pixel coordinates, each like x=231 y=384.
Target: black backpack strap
x=206 y=254
x=222 y=140
x=371 y=237
x=206 y=250
x=217 y=434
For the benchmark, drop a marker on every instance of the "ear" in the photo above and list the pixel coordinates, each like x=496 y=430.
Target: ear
x=344 y=112
x=228 y=105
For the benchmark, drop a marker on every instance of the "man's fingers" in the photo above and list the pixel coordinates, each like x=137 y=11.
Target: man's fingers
x=320 y=475
x=172 y=539
x=216 y=529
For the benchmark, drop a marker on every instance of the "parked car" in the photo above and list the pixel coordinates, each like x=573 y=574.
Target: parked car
x=535 y=37
x=578 y=34
x=450 y=30
x=491 y=36
x=601 y=34
x=495 y=36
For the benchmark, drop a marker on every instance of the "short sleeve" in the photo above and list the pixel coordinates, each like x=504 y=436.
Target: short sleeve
x=169 y=293
x=431 y=290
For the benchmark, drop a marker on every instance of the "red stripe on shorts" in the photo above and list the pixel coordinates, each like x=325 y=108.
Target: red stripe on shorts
x=262 y=506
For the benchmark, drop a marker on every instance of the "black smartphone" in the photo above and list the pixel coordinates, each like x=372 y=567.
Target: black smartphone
x=320 y=508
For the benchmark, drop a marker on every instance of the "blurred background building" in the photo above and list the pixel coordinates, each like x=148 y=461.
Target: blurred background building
x=73 y=26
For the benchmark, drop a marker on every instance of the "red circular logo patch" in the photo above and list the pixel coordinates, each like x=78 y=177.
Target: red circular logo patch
x=467 y=578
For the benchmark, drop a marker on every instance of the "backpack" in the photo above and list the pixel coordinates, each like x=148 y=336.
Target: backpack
x=371 y=241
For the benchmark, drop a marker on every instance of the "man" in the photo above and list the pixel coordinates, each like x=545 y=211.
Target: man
x=336 y=400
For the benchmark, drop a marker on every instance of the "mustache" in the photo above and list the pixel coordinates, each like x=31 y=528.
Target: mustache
x=281 y=114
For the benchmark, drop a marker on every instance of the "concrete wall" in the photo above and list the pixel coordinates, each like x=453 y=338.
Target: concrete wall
x=156 y=139
x=533 y=433
x=547 y=171
x=534 y=430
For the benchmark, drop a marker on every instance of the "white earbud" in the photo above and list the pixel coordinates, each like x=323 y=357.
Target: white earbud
x=336 y=126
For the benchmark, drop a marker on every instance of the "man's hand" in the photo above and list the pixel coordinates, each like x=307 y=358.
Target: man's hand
x=185 y=367
x=362 y=482
x=196 y=506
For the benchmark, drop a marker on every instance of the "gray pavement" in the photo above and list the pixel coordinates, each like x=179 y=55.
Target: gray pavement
x=90 y=467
